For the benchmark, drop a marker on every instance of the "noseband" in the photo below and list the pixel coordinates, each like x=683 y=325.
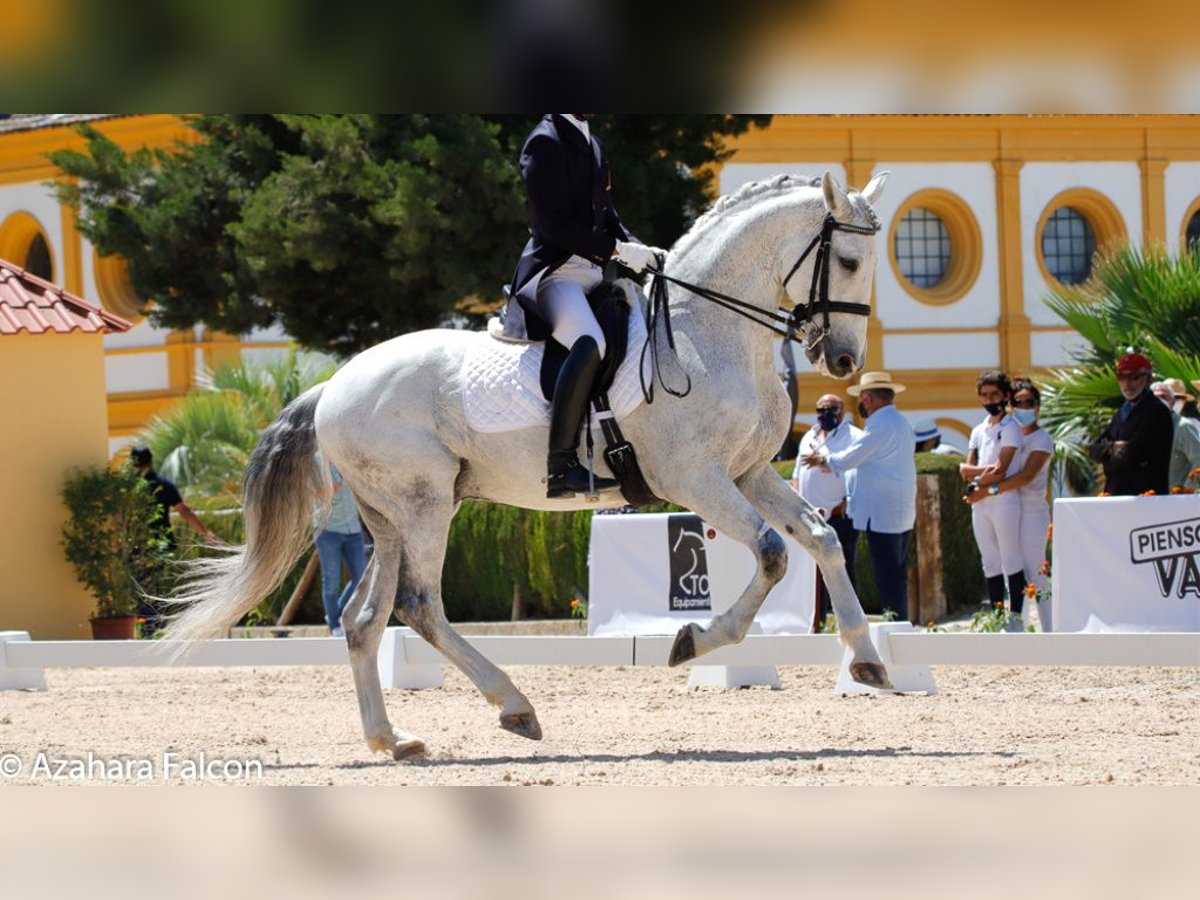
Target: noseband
x=791 y=326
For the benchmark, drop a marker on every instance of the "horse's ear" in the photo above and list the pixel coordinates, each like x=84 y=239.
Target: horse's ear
x=836 y=200
x=875 y=186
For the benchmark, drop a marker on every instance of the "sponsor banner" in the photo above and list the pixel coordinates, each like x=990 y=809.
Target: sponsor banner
x=1127 y=564
x=653 y=573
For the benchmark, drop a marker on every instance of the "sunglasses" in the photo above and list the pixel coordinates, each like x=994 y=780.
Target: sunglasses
x=1025 y=404
x=1135 y=377
x=833 y=409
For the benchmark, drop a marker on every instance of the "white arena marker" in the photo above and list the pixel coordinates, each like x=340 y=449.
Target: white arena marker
x=730 y=677
x=18 y=678
x=906 y=678
x=395 y=670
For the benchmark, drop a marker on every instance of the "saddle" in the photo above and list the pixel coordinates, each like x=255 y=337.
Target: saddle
x=612 y=310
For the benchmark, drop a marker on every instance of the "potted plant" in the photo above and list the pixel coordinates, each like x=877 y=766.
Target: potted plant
x=111 y=539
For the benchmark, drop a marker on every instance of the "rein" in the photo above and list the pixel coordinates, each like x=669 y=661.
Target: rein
x=790 y=326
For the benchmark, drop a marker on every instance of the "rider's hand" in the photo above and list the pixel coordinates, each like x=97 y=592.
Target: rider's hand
x=636 y=257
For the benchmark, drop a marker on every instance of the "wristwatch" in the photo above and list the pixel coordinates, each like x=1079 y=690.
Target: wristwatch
x=994 y=489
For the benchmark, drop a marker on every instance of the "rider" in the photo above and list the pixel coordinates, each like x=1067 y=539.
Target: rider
x=575 y=231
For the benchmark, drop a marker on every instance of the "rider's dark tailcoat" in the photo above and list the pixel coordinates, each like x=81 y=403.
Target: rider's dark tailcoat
x=568 y=185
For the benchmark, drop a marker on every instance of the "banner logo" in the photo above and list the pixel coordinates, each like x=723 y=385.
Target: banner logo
x=689 y=564
x=1174 y=551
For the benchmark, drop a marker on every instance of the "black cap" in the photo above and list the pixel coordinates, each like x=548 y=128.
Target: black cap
x=141 y=456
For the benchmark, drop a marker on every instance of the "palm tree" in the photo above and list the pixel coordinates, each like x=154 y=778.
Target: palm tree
x=204 y=442
x=1144 y=301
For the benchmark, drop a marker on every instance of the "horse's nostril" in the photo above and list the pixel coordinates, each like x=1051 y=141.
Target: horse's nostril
x=846 y=362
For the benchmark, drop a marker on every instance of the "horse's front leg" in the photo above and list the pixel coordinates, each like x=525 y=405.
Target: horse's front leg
x=792 y=515
x=716 y=499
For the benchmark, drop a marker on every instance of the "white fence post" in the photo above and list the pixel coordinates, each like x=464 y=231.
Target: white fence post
x=914 y=677
x=395 y=671
x=14 y=678
x=727 y=677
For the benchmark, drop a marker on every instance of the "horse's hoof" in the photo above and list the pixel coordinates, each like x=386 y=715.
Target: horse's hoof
x=523 y=724
x=684 y=647
x=397 y=747
x=872 y=674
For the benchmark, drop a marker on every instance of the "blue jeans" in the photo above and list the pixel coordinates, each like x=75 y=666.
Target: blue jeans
x=889 y=559
x=333 y=547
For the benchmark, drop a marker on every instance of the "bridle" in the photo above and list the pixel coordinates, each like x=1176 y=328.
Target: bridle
x=793 y=326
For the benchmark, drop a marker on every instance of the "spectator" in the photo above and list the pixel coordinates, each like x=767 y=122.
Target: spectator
x=827 y=491
x=929 y=439
x=1185 y=447
x=168 y=498
x=996 y=519
x=1135 y=448
x=1032 y=465
x=883 y=496
x=339 y=538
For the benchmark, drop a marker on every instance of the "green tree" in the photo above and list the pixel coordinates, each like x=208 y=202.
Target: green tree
x=350 y=229
x=1144 y=301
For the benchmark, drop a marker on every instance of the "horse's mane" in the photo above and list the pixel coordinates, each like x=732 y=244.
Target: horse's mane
x=754 y=191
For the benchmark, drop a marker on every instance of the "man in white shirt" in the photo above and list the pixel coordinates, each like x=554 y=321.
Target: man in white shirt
x=827 y=491
x=883 y=497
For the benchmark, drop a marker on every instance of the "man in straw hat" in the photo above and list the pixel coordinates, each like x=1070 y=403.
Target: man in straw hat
x=1135 y=448
x=1185 y=448
x=884 y=496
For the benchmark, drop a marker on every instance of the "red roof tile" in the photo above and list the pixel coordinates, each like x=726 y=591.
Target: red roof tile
x=31 y=304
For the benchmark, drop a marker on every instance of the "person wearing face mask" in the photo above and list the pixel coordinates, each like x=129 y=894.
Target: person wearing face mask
x=1185 y=448
x=883 y=497
x=1032 y=465
x=996 y=516
x=827 y=491
x=575 y=231
x=1135 y=448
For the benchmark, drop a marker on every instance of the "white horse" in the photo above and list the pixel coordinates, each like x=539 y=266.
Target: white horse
x=392 y=420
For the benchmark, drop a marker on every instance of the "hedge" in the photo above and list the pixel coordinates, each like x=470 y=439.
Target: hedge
x=495 y=549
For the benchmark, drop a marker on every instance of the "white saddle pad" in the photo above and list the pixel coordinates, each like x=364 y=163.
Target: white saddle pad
x=502 y=390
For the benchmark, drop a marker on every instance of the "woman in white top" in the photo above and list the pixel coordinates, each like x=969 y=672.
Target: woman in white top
x=1029 y=484
x=996 y=518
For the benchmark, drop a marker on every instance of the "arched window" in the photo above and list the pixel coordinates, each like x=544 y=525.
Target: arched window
x=1068 y=245
x=922 y=247
x=37 y=258
x=1191 y=234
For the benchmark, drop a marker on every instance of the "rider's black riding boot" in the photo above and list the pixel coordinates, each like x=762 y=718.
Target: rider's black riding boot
x=565 y=477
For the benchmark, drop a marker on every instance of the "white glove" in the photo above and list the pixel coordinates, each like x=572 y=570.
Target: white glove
x=637 y=257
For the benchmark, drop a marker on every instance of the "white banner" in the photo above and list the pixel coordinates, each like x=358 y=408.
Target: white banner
x=1127 y=564
x=653 y=573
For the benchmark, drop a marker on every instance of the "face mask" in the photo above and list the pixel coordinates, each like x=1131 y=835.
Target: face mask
x=994 y=409
x=862 y=410
x=1025 y=416
x=828 y=420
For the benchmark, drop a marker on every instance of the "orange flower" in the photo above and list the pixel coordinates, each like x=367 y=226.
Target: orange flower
x=1148 y=494
x=1104 y=494
x=999 y=604
x=1195 y=473
x=1180 y=489
x=574 y=603
x=1031 y=590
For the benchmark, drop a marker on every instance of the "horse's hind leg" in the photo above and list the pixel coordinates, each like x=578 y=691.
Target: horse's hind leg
x=785 y=510
x=418 y=604
x=365 y=618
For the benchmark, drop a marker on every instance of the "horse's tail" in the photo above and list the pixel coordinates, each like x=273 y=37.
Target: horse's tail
x=281 y=484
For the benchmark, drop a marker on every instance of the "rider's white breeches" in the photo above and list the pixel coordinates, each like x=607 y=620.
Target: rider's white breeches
x=563 y=296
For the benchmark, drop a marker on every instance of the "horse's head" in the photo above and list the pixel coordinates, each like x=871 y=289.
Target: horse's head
x=836 y=331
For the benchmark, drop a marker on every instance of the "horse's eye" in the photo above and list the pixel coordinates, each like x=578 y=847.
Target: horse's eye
x=850 y=265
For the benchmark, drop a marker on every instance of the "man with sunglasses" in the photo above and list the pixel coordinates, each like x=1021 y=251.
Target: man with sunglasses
x=1135 y=448
x=826 y=490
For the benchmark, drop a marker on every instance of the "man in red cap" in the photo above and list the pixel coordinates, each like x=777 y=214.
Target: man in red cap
x=1135 y=449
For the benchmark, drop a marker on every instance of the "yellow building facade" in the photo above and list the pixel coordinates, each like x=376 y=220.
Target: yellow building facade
x=997 y=194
